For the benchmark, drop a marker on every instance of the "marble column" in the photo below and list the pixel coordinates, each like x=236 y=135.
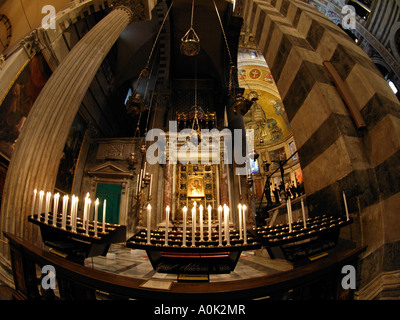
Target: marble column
x=167 y=188
x=39 y=148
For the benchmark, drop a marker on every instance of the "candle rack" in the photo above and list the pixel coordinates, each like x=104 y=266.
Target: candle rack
x=80 y=244
x=205 y=257
x=304 y=240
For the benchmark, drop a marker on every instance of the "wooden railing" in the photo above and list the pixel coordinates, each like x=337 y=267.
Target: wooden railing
x=320 y=279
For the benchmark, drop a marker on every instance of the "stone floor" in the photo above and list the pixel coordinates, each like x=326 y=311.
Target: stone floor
x=134 y=263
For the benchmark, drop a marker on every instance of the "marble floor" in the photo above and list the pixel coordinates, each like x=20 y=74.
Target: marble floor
x=135 y=263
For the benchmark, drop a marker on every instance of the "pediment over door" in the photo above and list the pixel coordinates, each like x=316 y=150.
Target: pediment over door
x=110 y=170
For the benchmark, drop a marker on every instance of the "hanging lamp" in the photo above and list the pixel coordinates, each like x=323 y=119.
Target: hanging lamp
x=190 y=42
x=240 y=104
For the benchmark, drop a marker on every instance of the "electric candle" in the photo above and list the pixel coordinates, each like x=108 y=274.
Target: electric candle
x=148 y=223
x=345 y=206
x=47 y=208
x=89 y=202
x=209 y=223
x=226 y=217
x=64 y=212
x=55 y=208
x=304 y=214
x=40 y=204
x=194 y=206
x=240 y=186
x=85 y=210
x=220 y=226
x=240 y=222
x=201 y=223
x=289 y=205
x=193 y=226
x=166 y=226
x=96 y=216
x=74 y=210
x=33 y=202
x=184 y=226
x=244 y=224
x=104 y=215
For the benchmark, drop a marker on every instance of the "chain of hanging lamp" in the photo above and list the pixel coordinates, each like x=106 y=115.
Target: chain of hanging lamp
x=145 y=73
x=232 y=66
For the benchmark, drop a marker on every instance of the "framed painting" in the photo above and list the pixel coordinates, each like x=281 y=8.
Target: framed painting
x=195 y=187
x=18 y=101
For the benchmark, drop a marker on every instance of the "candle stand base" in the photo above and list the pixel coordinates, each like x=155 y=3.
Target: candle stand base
x=77 y=245
x=205 y=257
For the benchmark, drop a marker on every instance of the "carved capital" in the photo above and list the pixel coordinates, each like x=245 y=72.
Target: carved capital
x=135 y=9
x=31 y=43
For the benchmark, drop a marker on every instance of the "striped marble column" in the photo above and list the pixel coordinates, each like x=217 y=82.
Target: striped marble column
x=39 y=148
x=335 y=154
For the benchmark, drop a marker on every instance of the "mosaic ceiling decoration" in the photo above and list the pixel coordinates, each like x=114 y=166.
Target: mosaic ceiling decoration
x=267 y=116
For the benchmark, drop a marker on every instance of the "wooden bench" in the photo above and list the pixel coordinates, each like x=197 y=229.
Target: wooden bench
x=318 y=280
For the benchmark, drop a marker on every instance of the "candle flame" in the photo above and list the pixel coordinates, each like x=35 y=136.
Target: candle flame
x=97 y=202
x=148 y=207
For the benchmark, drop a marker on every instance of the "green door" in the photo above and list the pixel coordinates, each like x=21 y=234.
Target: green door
x=112 y=193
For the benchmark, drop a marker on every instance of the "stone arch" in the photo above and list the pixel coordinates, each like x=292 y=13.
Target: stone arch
x=335 y=155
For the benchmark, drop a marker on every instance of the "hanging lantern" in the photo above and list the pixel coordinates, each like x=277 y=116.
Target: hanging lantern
x=190 y=42
x=241 y=105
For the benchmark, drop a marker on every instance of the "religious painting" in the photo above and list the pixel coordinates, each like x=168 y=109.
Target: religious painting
x=19 y=100
x=254 y=166
x=298 y=174
x=292 y=148
x=255 y=74
x=278 y=154
x=195 y=187
x=69 y=160
x=242 y=74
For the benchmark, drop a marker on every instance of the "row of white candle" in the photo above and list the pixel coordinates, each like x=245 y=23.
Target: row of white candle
x=221 y=220
x=73 y=210
x=290 y=214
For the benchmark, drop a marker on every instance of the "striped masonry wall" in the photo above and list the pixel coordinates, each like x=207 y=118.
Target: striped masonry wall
x=334 y=154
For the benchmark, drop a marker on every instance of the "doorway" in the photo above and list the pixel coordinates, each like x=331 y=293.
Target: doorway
x=111 y=193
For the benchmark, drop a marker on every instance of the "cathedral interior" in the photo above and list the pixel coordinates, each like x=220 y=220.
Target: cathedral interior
x=224 y=145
